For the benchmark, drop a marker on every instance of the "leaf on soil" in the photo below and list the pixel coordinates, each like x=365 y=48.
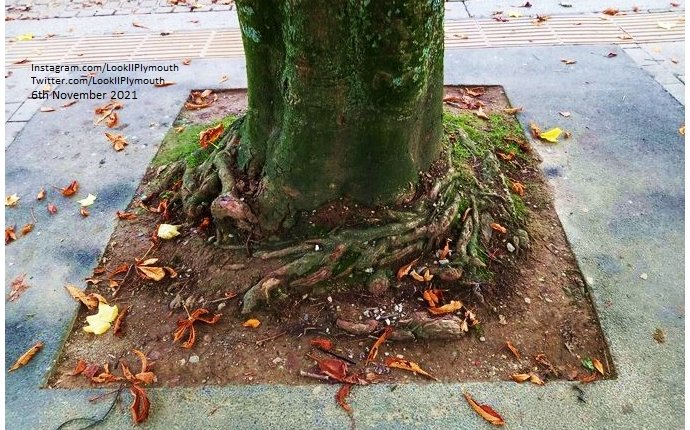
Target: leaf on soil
x=475 y=92
x=432 y=297
x=125 y=215
x=119 y=142
x=520 y=377
x=87 y=201
x=71 y=189
x=374 y=351
x=485 y=411
x=52 y=209
x=597 y=365
x=567 y=61
x=17 y=287
x=405 y=270
x=518 y=188
x=453 y=306
x=11 y=201
x=481 y=114
x=512 y=111
x=200 y=100
x=100 y=322
x=341 y=397
x=251 y=323
x=117 y=328
x=91 y=300
x=105 y=376
x=187 y=324
x=141 y=405
x=541 y=359
x=91 y=370
x=610 y=11
x=27 y=356
x=168 y=231
x=512 y=349
x=79 y=368
x=112 y=120
x=499 y=228
x=84 y=212
x=410 y=366
x=210 y=135
x=10 y=235
x=41 y=194
x=551 y=135
x=322 y=343
x=154 y=273
x=442 y=254
x=586 y=379
x=535 y=379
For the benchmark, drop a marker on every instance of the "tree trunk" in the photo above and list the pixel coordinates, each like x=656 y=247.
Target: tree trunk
x=345 y=100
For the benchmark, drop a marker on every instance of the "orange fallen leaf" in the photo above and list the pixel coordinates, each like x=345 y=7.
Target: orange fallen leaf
x=610 y=11
x=445 y=251
x=70 y=189
x=27 y=229
x=105 y=376
x=499 y=228
x=141 y=405
x=374 y=351
x=117 y=328
x=597 y=365
x=518 y=188
x=41 y=194
x=336 y=369
x=535 y=379
x=586 y=379
x=210 y=135
x=520 y=377
x=453 y=306
x=512 y=111
x=27 y=356
x=84 y=211
x=405 y=270
x=322 y=343
x=485 y=411
x=80 y=367
x=125 y=215
x=154 y=273
x=69 y=103
x=91 y=301
x=119 y=142
x=432 y=297
x=10 y=234
x=416 y=276
x=17 y=287
x=47 y=109
x=112 y=120
x=251 y=323
x=52 y=209
x=475 y=92
x=164 y=84
x=341 y=397
x=410 y=366
x=186 y=61
x=187 y=324
x=512 y=349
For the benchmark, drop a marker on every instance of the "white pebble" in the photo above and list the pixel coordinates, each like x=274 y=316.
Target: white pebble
x=528 y=300
x=643 y=276
x=510 y=247
x=193 y=358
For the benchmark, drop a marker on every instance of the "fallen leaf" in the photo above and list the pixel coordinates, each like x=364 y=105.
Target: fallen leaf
x=25 y=36
x=11 y=201
x=17 y=287
x=512 y=111
x=87 y=201
x=138 y=25
x=567 y=135
x=27 y=356
x=10 y=234
x=187 y=324
x=322 y=343
x=485 y=411
x=374 y=351
x=164 y=84
x=119 y=142
x=27 y=229
x=567 y=61
x=79 y=368
x=535 y=379
x=69 y=103
x=674 y=4
x=52 y=209
x=84 y=212
x=611 y=55
x=565 y=114
x=47 y=109
x=336 y=369
x=89 y=300
x=597 y=365
x=41 y=194
x=125 y=215
x=445 y=251
x=341 y=397
x=518 y=188
x=251 y=323
x=551 y=135
x=527 y=4
x=499 y=228
x=22 y=61
x=100 y=322
x=405 y=270
x=200 y=100
x=520 y=377
x=481 y=114
x=223 y=79
x=105 y=376
x=610 y=11
x=410 y=366
x=168 y=231
x=475 y=92
x=179 y=129
x=210 y=135
x=112 y=120
x=141 y=405
x=453 y=306
x=586 y=379
x=541 y=359
x=117 y=328
x=70 y=190
x=587 y=364
x=540 y=19
x=512 y=349
x=625 y=37
x=681 y=130
x=186 y=61
x=432 y=297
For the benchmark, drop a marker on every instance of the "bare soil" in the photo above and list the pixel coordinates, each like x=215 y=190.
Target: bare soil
x=538 y=301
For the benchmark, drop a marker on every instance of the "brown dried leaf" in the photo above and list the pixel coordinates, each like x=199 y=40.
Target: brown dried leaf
x=117 y=328
x=610 y=11
x=91 y=370
x=432 y=297
x=69 y=103
x=112 y=120
x=341 y=397
x=119 y=142
x=251 y=323
x=164 y=84
x=374 y=351
x=399 y=363
x=586 y=379
x=334 y=368
x=27 y=229
x=512 y=111
x=453 y=306
x=405 y=270
x=17 y=287
x=535 y=379
x=41 y=194
x=499 y=228
x=141 y=405
x=485 y=411
x=52 y=209
x=27 y=356
x=322 y=343
x=138 y=25
x=71 y=189
x=520 y=377
x=79 y=368
x=149 y=272
x=125 y=215
x=518 y=188
x=10 y=234
x=187 y=324
x=481 y=114
x=475 y=92
x=90 y=300
x=186 y=61
x=47 y=109
x=512 y=349
x=84 y=211
x=567 y=61
x=210 y=135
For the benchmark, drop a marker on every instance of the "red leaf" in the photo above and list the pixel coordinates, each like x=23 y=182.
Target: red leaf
x=341 y=397
x=141 y=405
x=332 y=367
x=322 y=343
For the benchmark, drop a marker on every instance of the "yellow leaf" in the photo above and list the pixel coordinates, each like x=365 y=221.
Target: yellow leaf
x=25 y=36
x=410 y=366
x=453 y=306
x=597 y=365
x=520 y=377
x=100 y=322
x=681 y=130
x=253 y=323
x=551 y=135
x=11 y=201
x=168 y=231
x=87 y=201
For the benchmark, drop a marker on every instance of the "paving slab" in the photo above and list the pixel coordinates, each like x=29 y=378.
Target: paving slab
x=619 y=192
x=483 y=8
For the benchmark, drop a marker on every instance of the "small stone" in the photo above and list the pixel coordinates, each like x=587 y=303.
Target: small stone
x=176 y=302
x=510 y=247
x=317 y=248
x=643 y=276
x=276 y=360
x=182 y=362
x=330 y=299
x=528 y=300
x=221 y=305
x=482 y=339
x=193 y=359
x=502 y=319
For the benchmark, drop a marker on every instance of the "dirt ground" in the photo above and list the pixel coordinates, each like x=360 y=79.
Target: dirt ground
x=538 y=301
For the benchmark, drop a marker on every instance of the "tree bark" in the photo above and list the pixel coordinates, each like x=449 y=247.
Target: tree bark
x=345 y=100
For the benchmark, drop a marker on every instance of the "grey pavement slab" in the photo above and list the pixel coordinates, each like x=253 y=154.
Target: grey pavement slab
x=12 y=129
x=619 y=192
x=483 y=8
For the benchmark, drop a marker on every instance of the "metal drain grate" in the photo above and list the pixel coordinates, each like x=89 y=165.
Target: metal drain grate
x=470 y=33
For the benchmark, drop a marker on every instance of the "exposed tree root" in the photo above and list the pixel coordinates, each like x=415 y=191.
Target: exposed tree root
x=463 y=204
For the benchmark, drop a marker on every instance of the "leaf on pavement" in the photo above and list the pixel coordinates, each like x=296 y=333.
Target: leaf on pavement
x=610 y=11
x=112 y=120
x=341 y=397
x=11 y=201
x=27 y=229
x=90 y=300
x=410 y=366
x=551 y=135
x=164 y=84
x=84 y=212
x=41 y=194
x=141 y=405
x=10 y=234
x=565 y=114
x=71 y=189
x=210 y=135
x=52 y=209
x=87 y=201
x=17 y=287
x=119 y=142
x=512 y=111
x=485 y=411
x=27 y=356
x=567 y=61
